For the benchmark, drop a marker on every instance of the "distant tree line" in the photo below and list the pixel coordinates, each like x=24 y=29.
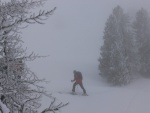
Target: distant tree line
x=126 y=47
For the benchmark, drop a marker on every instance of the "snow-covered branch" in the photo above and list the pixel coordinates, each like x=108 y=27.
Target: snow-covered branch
x=53 y=107
x=19 y=87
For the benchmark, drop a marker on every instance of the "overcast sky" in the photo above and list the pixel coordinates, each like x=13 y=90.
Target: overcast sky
x=73 y=34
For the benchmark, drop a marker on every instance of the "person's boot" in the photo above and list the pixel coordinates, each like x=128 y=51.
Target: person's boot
x=74 y=93
x=84 y=94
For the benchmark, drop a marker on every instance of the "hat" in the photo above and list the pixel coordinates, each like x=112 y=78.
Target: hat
x=74 y=71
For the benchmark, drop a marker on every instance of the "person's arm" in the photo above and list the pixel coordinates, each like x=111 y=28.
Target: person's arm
x=73 y=79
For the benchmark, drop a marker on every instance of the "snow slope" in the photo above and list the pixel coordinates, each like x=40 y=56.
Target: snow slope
x=103 y=98
x=133 y=98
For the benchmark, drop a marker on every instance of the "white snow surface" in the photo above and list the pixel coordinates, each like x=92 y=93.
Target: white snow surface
x=4 y=108
x=102 y=98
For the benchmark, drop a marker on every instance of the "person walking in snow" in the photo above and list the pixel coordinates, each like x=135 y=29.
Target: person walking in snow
x=77 y=81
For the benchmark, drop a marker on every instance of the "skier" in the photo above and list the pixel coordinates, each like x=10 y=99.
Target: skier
x=78 y=81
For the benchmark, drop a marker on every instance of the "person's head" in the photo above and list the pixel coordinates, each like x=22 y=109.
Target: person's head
x=74 y=71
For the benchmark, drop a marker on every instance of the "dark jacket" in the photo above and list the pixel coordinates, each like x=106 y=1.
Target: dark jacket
x=78 y=77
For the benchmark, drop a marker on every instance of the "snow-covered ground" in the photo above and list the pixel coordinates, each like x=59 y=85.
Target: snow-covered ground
x=102 y=98
x=133 y=98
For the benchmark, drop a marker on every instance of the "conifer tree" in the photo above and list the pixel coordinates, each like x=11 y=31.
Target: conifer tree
x=116 y=52
x=141 y=27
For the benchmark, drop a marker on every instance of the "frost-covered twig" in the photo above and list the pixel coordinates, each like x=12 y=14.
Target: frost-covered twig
x=53 y=107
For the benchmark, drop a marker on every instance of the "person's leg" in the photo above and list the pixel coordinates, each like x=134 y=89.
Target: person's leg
x=81 y=85
x=74 y=85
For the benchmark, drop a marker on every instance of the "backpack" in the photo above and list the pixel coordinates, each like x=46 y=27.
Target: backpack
x=79 y=75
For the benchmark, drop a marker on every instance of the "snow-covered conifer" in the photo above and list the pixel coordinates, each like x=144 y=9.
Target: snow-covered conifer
x=116 y=52
x=141 y=27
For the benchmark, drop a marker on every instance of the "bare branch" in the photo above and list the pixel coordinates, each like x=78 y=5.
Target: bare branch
x=31 y=20
x=54 y=108
x=20 y=86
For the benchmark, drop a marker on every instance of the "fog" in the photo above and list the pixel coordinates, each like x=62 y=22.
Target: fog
x=72 y=36
x=71 y=39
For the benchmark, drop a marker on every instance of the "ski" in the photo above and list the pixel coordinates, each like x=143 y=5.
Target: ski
x=72 y=93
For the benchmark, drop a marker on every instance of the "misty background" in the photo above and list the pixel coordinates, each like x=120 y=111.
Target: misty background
x=72 y=37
